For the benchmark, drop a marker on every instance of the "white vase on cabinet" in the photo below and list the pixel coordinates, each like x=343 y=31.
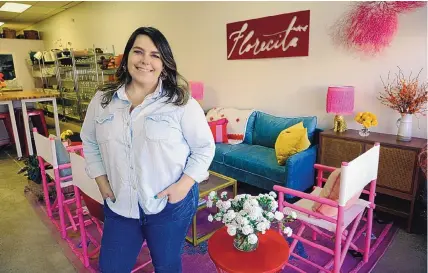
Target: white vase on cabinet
x=404 y=125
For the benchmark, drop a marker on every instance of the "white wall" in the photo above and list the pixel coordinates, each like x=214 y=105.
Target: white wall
x=19 y=49
x=282 y=86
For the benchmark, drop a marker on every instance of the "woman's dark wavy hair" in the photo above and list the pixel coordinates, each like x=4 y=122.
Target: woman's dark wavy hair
x=177 y=93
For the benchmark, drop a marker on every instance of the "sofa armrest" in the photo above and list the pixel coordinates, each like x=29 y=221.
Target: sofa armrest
x=316 y=137
x=300 y=170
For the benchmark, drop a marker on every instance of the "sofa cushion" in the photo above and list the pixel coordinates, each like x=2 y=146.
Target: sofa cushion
x=268 y=127
x=248 y=139
x=258 y=160
x=291 y=141
x=222 y=149
x=219 y=130
x=331 y=191
x=62 y=157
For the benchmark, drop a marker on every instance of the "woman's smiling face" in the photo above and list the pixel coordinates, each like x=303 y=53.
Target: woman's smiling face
x=144 y=61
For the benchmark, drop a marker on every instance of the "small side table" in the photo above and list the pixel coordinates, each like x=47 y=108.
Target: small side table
x=270 y=256
x=215 y=182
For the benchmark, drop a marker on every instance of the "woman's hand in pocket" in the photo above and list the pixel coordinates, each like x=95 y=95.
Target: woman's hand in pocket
x=105 y=188
x=177 y=191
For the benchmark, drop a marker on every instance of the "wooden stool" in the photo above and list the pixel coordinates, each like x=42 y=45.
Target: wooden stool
x=7 y=123
x=39 y=113
x=38 y=119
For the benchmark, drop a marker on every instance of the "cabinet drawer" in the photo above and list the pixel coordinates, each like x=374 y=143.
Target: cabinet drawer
x=334 y=151
x=396 y=168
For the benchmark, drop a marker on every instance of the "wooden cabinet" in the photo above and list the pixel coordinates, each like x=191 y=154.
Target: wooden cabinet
x=398 y=173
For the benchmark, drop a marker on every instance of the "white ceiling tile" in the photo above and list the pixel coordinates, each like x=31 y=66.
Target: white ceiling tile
x=24 y=2
x=52 y=4
x=14 y=7
x=28 y=17
x=72 y=4
x=4 y=15
x=55 y=11
x=39 y=10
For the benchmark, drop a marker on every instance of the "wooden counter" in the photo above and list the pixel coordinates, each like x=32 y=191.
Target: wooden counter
x=28 y=94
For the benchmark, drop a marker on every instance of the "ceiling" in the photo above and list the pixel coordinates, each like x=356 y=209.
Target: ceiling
x=39 y=11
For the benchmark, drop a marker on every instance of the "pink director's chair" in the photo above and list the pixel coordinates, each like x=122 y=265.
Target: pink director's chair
x=355 y=176
x=47 y=156
x=88 y=189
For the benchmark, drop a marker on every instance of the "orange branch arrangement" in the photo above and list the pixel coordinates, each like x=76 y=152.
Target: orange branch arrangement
x=406 y=96
x=2 y=82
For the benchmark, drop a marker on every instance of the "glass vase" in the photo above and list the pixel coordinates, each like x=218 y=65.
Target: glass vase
x=364 y=132
x=241 y=243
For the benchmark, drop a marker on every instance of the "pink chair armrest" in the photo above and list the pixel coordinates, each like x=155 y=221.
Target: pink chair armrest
x=282 y=190
x=64 y=166
x=74 y=148
x=308 y=196
x=324 y=168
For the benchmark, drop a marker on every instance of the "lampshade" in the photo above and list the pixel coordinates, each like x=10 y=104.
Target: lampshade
x=340 y=100
x=197 y=90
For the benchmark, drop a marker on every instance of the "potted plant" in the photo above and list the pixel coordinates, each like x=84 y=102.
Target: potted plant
x=66 y=135
x=34 y=176
x=367 y=120
x=408 y=97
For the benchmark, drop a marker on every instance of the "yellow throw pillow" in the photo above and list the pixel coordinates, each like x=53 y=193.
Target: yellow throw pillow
x=291 y=141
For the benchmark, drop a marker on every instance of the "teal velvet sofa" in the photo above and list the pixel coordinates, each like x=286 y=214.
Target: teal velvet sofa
x=254 y=161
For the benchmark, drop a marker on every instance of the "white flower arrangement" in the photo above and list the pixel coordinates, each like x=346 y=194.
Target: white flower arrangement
x=245 y=216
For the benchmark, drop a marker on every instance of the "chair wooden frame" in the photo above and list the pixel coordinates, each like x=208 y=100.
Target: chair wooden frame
x=46 y=154
x=355 y=177
x=87 y=187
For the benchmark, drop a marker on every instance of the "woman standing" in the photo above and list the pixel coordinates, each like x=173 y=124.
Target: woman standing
x=147 y=144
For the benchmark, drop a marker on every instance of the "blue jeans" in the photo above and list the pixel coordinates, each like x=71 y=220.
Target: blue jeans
x=164 y=232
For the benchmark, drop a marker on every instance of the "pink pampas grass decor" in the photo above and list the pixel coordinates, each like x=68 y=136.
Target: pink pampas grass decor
x=369 y=27
x=404 y=6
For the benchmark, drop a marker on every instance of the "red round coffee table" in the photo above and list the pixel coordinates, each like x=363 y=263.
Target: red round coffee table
x=270 y=256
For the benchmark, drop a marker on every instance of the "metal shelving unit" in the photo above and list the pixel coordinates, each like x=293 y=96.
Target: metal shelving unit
x=79 y=75
x=42 y=71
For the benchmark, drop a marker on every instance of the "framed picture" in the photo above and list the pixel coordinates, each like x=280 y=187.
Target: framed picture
x=7 y=66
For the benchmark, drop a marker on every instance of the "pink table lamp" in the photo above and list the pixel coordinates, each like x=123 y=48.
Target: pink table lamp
x=340 y=101
x=197 y=90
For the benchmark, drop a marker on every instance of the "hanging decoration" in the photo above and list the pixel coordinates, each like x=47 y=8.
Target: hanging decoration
x=369 y=27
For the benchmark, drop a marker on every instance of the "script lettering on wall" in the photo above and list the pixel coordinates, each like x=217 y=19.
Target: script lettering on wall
x=284 y=35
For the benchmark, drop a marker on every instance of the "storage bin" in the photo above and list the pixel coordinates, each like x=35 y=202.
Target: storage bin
x=9 y=33
x=31 y=34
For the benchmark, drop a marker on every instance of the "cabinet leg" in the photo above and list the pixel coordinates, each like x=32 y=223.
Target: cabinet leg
x=410 y=219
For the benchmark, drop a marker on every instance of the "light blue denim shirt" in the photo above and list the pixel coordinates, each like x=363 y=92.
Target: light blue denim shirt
x=145 y=151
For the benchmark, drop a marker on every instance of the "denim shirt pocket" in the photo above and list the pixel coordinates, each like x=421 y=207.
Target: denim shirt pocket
x=103 y=127
x=159 y=127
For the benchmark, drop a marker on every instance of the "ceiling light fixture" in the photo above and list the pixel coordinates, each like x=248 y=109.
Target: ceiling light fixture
x=14 y=7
